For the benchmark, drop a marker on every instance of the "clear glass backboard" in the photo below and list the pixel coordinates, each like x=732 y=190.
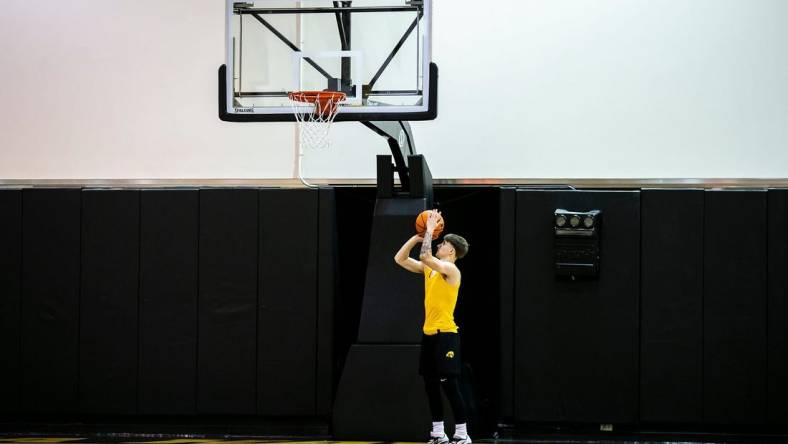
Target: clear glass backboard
x=377 y=52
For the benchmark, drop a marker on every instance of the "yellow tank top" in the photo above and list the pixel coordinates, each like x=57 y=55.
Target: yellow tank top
x=440 y=298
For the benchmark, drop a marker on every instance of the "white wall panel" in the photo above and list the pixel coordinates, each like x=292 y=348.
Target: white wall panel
x=528 y=89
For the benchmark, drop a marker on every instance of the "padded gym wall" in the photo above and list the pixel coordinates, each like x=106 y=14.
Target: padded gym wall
x=506 y=273
x=167 y=301
x=778 y=308
x=711 y=338
x=576 y=342
x=50 y=300
x=287 y=315
x=228 y=251
x=671 y=324
x=10 y=297
x=108 y=301
x=327 y=285
x=169 y=224
x=734 y=307
x=712 y=313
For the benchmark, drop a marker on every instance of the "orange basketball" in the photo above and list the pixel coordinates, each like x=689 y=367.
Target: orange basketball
x=421 y=225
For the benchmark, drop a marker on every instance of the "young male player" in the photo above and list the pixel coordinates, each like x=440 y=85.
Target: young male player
x=439 y=363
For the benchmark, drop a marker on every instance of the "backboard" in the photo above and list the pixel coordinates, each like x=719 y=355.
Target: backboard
x=375 y=51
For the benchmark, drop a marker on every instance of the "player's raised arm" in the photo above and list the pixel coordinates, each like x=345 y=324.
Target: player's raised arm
x=403 y=259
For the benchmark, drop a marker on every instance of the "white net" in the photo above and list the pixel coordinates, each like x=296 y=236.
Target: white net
x=315 y=112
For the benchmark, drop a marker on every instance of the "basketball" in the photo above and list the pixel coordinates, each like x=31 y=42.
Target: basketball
x=421 y=224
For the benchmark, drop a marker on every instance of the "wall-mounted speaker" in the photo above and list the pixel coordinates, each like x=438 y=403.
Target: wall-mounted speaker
x=576 y=244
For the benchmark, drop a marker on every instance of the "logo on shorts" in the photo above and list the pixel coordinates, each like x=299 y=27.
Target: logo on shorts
x=450 y=354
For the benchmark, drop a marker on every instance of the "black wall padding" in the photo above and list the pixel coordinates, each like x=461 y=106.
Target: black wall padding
x=226 y=358
x=508 y=215
x=576 y=343
x=168 y=301
x=671 y=306
x=327 y=284
x=10 y=297
x=735 y=294
x=50 y=300
x=108 y=304
x=393 y=306
x=373 y=407
x=778 y=307
x=287 y=301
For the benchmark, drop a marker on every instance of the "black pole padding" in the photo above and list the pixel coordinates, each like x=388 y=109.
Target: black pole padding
x=420 y=179
x=385 y=177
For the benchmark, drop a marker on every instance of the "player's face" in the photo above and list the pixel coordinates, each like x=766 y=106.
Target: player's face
x=444 y=250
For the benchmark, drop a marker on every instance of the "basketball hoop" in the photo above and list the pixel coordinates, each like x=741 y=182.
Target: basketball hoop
x=315 y=112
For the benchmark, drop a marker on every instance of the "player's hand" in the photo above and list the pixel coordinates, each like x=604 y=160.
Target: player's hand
x=432 y=220
x=417 y=238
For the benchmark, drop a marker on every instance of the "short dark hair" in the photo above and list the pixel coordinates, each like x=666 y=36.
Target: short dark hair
x=459 y=243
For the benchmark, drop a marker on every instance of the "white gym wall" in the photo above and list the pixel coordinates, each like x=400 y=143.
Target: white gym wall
x=121 y=89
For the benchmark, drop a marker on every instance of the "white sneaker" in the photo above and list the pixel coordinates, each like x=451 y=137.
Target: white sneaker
x=460 y=440
x=439 y=440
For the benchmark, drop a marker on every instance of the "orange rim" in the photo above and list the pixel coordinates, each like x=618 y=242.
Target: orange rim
x=316 y=96
x=326 y=102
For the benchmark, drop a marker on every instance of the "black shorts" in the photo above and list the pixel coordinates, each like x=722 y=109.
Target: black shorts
x=440 y=355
